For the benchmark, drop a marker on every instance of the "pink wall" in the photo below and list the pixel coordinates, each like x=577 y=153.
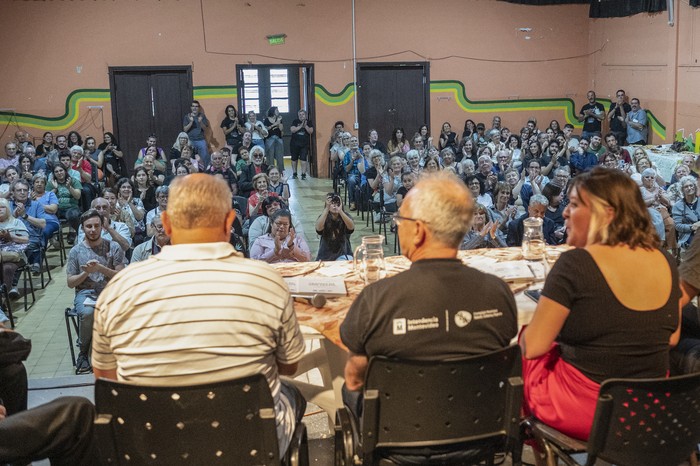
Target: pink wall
x=46 y=42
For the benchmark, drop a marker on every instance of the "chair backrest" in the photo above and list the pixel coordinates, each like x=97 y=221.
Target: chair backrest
x=647 y=421
x=223 y=423
x=411 y=404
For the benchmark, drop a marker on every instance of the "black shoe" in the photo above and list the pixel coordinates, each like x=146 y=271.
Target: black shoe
x=303 y=176
x=294 y=176
x=36 y=269
x=82 y=365
x=71 y=238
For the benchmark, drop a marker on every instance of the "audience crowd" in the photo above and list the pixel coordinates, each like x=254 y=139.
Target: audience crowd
x=115 y=219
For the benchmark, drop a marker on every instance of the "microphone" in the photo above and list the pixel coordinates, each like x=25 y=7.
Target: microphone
x=316 y=300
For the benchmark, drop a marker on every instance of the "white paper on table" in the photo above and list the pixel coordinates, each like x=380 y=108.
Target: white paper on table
x=329 y=286
x=483 y=263
x=514 y=270
x=337 y=269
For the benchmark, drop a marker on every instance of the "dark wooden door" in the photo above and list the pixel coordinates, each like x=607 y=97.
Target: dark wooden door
x=392 y=95
x=146 y=101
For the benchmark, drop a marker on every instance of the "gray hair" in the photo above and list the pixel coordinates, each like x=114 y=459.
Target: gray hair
x=445 y=151
x=468 y=162
x=485 y=157
x=376 y=153
x=688 y=179
x=40 y=175
x=414 y=154
x=164 y=189
x=450 y=222
x=77 y=148
x=539 y=199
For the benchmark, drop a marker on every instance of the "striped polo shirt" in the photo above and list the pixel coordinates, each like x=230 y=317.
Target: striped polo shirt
x=198 y=313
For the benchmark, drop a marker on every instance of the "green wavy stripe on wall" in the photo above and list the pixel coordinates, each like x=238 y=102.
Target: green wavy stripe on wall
x=490 y=106
x=215 y=92
x=58 y=123
x=334 y=100
x=456 y=88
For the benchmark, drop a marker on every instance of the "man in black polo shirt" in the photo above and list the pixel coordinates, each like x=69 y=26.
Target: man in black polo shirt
x=439 y=308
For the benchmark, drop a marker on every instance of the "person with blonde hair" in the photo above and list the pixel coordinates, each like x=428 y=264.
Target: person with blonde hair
x=214 y=315
x=593 y=321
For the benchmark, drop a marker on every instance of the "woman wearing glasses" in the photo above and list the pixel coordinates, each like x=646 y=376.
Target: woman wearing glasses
x=686 y=212
x=281 y=243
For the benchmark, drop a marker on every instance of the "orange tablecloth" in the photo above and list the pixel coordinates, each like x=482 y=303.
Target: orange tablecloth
x=327 y=319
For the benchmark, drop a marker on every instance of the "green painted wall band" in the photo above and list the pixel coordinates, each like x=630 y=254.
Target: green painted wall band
x=324 y=96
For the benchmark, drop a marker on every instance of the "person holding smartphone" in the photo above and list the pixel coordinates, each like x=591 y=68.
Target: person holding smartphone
x=334 y=227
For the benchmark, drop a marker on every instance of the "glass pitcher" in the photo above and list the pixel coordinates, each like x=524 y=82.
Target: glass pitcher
x=533 y=246
x=370 y=255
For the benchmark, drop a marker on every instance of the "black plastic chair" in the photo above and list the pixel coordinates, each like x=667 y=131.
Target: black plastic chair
x=650 y=422
x=5 y=301
x=457 y=406
x=71 y=317
x=222 y=423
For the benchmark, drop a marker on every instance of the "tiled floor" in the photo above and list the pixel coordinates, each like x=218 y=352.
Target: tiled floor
x=49 y=365
x=44 y=323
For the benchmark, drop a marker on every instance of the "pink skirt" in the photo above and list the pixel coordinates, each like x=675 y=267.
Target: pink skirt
x=559 y=395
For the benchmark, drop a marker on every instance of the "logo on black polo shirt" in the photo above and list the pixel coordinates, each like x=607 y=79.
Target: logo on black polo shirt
x=463 y=318
x=399 y=326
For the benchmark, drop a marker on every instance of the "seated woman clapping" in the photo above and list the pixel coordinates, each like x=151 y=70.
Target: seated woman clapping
x=281 y=243
x=485 y=232
x=609 y=307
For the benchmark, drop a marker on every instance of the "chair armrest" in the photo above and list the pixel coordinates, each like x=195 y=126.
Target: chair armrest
x=543 y=431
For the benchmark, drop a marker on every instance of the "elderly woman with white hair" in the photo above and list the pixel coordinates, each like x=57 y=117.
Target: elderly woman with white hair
x=686 y=212
x=658 y=204
x=413 y=159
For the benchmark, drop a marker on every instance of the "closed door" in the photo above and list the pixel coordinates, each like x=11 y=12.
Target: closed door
x=146 y=101
x=392 y=96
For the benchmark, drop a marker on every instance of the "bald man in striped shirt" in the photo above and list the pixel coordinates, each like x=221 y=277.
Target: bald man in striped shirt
x=199 y=312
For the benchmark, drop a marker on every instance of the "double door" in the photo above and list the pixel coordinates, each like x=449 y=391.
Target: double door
x=146 y=101
x=392 y=95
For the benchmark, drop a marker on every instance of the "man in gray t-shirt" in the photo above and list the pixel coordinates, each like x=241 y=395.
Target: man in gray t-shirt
x=91 y=263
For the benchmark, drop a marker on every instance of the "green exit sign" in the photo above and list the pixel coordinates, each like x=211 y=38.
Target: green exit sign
x=276 y=39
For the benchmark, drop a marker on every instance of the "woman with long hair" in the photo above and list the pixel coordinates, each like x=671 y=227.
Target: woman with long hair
x=594 y=320
x=448 y=138
x=144 y=188
x=231 y=126
x=398 y=144
x=115 y=167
